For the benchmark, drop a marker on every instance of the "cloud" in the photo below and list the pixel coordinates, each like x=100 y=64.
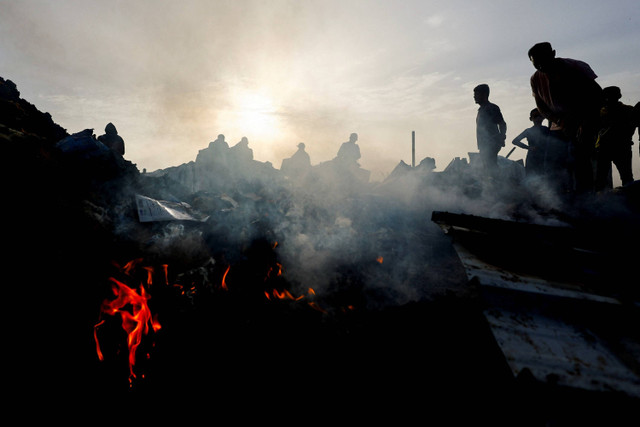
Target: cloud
x=435 y=21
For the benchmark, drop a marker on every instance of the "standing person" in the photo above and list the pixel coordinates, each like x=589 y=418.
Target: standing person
x=112 y=140
x=617 y=126
x=491 y=129
x=536 y=137
x=567 y=94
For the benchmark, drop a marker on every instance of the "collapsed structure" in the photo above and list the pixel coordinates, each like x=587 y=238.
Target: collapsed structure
x=427 y=276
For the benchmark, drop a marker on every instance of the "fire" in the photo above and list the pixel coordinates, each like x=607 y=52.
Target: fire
x=224 y=279
x=316 y=307
x=137 y=320
x=129 y=267
x=149 y=271
x=271 y=269
x=165 y=269
x=283 y=295
x=286 y=295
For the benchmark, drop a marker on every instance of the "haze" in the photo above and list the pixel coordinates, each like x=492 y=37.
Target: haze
x=173 y=75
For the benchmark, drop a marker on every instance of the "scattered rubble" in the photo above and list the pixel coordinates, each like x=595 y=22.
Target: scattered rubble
x=260 y=279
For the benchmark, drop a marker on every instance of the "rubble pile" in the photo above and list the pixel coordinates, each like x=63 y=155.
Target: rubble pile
x=77 y=219
x=260 y=276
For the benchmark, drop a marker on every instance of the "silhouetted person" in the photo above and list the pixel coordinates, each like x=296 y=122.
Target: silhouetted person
x=215 y=155
x=349 y=152
x=301 y=156
x=219 y=144
x=241 y=153
x=112 y=140
x=218 y=150
x=491 y=129
x=536 y=137
x=298 y=164
x=617 y=126
x=567 y=94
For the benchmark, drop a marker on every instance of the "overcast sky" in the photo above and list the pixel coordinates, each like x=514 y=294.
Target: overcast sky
x=172 y=75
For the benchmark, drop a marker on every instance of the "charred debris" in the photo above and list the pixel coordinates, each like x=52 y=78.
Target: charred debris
x=274 y=288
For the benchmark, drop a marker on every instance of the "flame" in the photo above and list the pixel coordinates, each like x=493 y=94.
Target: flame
x=131 y=265
x=149 y=275
x=165 y=268
x=286 y=295
x=224 y=278
x=316 y=307
x=134 y=311
x=278 y=273
x=379 y=259
x=95 y=336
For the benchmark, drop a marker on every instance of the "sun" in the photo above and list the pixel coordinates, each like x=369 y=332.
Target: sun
x=255 y=115
x=252 y=113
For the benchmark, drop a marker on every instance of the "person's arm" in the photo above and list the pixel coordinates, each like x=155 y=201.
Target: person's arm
x=502 y=127
x=518 y=140
x=541 y=105
x=500 y=124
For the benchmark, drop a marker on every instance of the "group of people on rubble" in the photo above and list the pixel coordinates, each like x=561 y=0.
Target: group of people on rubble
x=589 y=127
x=347 y=158
x=237 y=155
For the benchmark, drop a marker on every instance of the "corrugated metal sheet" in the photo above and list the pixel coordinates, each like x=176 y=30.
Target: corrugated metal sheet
x=558 y=352
x=549 y=329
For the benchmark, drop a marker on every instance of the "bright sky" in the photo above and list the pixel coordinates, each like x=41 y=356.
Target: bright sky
x=172 y=75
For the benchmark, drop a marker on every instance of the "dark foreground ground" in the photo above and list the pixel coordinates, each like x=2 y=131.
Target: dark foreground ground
x=237 y=354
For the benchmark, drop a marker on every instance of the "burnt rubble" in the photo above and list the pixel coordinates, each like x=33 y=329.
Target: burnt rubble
x=393 y=318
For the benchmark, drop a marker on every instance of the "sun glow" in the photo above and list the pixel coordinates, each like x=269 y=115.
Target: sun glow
x=254 y=115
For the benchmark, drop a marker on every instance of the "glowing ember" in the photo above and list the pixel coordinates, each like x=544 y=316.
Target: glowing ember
x=317 y=307
x=283 y=295
x=136 y=316
x=224 y=279
x=271 y=270
x=286 y=295
x=275 y=294
x=165 y=268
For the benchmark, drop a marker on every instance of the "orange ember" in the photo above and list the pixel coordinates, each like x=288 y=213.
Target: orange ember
x=224 y=279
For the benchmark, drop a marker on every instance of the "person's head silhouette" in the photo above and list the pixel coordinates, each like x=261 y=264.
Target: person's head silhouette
x=481 y=94
x=541 y=56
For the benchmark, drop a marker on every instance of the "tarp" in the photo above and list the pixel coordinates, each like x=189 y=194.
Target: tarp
x=150 y=210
